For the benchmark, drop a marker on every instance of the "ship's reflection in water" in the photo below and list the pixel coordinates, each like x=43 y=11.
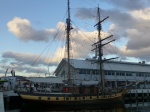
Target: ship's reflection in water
x=44 y=108
x=41 y=108
x=138 y=107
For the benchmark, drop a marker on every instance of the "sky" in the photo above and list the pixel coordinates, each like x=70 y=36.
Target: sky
x=32 y=32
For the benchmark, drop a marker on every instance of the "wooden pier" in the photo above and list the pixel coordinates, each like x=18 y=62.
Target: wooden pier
x=138 y=95
x=1 y=102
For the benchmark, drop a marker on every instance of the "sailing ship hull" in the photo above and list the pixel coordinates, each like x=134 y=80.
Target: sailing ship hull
x=74 y=99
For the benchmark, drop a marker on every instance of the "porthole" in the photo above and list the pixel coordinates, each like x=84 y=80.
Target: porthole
x=48 y=98
x=75 y=98
x=40 y=98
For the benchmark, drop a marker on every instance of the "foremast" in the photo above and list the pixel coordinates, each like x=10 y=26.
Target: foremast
x=68 y=28
x=99 y=48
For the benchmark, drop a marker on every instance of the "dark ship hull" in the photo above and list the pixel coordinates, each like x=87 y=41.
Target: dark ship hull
x=66 y=99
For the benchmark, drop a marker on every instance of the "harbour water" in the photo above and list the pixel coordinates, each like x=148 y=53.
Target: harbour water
x=57 y=109
x=132 y=104
x=135 y=107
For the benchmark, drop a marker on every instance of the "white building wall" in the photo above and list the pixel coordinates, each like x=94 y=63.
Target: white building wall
x=123 y=67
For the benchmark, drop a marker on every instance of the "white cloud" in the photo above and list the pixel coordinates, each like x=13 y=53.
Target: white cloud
x=24 y=62
x=141 y=14
x=132 y=25
x=20 y=57
x=23 y=30
x=128 y=4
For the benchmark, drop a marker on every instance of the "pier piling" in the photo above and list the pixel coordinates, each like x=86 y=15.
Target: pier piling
x=1 y=102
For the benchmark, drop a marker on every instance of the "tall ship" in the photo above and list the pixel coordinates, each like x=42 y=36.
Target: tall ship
x=73 y=92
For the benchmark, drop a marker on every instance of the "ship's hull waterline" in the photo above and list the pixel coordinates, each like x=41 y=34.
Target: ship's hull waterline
x=74 y=99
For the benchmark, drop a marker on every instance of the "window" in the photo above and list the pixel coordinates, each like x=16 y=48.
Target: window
x=106 y=73
x=117 y=73
x=128 y=74
x=139 y=74
x=97 y=71
x=88 y=71
x=93 y=71
x=112 y=73
x=109 y=73
x=123 y=74
x=82 y=71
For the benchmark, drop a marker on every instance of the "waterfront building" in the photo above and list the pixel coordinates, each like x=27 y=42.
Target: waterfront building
x=117 y=73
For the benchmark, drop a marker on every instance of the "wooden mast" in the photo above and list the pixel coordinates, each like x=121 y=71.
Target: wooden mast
x=68 y=28
x=99 y=45
x=99 y=27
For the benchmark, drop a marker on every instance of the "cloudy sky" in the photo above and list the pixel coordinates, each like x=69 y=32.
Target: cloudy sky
x=32 y=32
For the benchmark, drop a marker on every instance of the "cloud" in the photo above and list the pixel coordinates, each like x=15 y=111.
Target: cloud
x=23 y=30
x=22 y=62
x=80 y=47
x=88 y=13
x=128 y=4
x=23 y=70
x=142 y=54
x=137 y=34
x=143 y=14
x=22 y=58
x=2 y=72
x=132 y=25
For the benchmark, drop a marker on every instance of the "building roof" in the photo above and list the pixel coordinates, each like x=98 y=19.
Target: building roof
x=110 y=65
x=45 y=79
x=89 y=82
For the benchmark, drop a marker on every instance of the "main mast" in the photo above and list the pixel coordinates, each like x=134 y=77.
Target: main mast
x=99 y=27
x=68 y=28
x=99 y=47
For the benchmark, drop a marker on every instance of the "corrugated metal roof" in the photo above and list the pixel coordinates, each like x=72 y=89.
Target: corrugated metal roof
x=111 y=65
x=89 y=82
x=83 y=64
x=45 y=79
x=127 y=67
